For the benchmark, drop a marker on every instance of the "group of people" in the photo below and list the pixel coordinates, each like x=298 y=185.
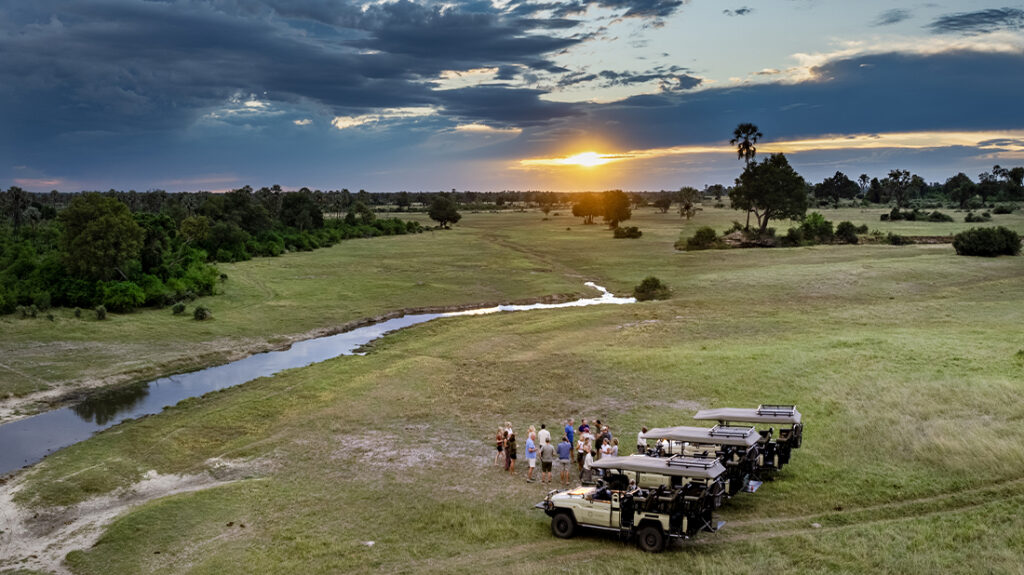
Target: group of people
x=578 y=448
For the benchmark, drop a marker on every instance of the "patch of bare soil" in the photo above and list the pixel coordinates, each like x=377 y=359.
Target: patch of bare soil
x=39 y=539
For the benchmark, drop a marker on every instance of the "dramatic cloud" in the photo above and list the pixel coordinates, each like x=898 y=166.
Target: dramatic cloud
x=669 y=78
x=893 y=16
x=627 y=8
x=979 y=22
x=738 y=12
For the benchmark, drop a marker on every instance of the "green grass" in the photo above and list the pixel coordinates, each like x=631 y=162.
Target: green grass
x=904 y=360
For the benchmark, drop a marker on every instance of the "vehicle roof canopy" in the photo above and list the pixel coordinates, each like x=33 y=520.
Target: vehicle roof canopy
x=762 y=414
x=677 y=466
x=717 y=435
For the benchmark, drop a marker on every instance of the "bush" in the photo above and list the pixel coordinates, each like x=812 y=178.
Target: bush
x=201 y=313
x=705 y=238
x=938 y=216
x=1004 y=209
x=987 y=242
x=27 y=311
x=122 y=296
x=632 y=232
x=897 y=240
x=41 y=299
x=973 y=218
x=816 y=228
x=846 y=233
x=78 y=312
x=101 y=313
x=862 y=229
x=651 y=288
x=6 y=304
x=178 y=309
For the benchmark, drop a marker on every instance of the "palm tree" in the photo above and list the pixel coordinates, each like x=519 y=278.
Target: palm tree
x=744 y=137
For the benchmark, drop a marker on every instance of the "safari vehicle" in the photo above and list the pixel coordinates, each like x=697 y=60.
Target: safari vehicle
x=776 y=449
x=736 y=447
x=678 y=510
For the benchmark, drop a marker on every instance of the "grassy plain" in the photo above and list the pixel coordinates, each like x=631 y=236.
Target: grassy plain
x=906 y=362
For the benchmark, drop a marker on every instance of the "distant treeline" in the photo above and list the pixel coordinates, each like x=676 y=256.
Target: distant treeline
x=124 y=250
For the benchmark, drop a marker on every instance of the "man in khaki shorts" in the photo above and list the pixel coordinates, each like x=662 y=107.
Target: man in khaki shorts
x=564 y=459
x=547 y=456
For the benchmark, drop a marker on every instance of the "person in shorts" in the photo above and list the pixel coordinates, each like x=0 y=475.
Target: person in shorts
x=564 y=459
x=547 y=457
x=531 y=457
x=499 y=440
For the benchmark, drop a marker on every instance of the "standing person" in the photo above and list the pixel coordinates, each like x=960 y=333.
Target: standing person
x=547 y=457
x=510 y=452
x=543 y=436
x=564 y=459
x=504 y=444
x=588 y=470
x=570 y=431
x=606 y=451
x=499 y=440
x=581 y=450
x=531 y=456
x=605 y=434
x=641 y=441
x=615 y=447
x=583 y=426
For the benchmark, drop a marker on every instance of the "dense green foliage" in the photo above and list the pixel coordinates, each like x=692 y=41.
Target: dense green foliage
x=630 y=232
x=612 y=206
x=915 y=215
x=444 y=210
x=704 y=238
x=771 y=190
x=124 y=251
x=651 y=288
x=988 y=242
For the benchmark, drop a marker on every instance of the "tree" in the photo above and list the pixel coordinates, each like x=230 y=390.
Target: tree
x=100 y=237
x=15 y=203
x=616 y=208
x=770 y=190
x=444 y=210
x=688 y=197
x=300 y=210
x=587 y=207
x=744 y=137
x=960 y=189
x=663 y=203
x=898 y=186
x=402 y=201
x=864 y=181
x=836 y=188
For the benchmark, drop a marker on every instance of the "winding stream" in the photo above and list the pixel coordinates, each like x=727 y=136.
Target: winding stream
x=28 y=440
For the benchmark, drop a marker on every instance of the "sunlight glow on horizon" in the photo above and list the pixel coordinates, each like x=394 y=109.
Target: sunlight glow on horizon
x=1001 y=144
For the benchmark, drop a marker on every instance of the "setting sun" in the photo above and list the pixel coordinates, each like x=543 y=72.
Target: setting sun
x=583 y=159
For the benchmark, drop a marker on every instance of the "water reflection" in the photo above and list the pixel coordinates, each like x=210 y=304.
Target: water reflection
x=102 y=408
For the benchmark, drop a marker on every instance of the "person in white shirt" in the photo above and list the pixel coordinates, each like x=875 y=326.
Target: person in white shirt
x=588 y=471
x=641 y=443
x=543 y=436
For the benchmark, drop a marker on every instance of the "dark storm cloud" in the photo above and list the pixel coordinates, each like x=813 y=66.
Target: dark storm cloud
x=129 y=66
x=979 y=22
x=627 y=8
x=893 y=16
x=738 y=12
x=869 y=94
x=672 y=78
x=504 y=106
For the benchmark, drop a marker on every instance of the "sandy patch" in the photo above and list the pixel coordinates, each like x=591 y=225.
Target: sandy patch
x=41 y=538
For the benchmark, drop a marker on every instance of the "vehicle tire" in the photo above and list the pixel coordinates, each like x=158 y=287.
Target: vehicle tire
x=563 y=525
x=650 y=539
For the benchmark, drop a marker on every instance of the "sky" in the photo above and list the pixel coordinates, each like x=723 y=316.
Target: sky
x=427 y=95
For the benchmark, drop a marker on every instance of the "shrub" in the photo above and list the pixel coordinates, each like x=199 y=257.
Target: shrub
x=794 y=237
x=987 y=242
x=78 y=312
x=6 y=303
x=122 y=296
x=938 y=216
x=862 y=229
x=973 y=218
x=736 y=227
x=631 y=232
x=201 y=313
x=816 y=228
x=897 y=240
x=651 y=288
x=101 y=313
x=1004 y=209
x=705 y=238
x=178 y=309
x=846 y=233
x=50 y=317
x=41 y=299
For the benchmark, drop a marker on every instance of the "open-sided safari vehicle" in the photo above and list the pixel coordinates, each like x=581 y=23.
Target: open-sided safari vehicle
x=679 y=509
x=775 y=448
x=736 y=447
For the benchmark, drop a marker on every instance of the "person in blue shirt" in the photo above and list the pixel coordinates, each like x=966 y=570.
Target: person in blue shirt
x=564 y=459
x=570 y=431
x=531 y=457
